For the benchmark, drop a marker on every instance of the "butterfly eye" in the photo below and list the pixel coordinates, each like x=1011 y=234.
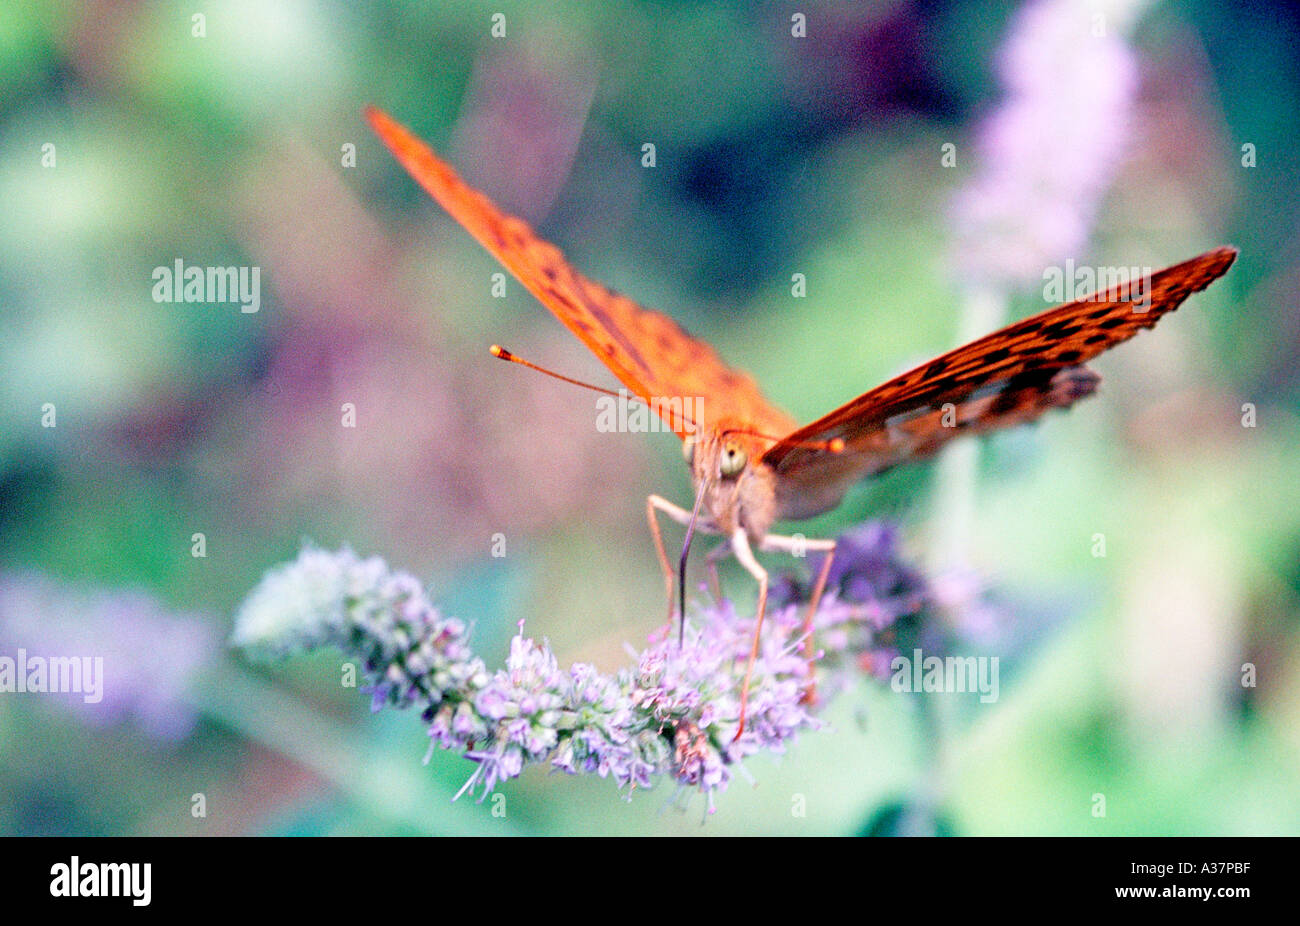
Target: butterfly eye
x=688 y=450
x=733 y=461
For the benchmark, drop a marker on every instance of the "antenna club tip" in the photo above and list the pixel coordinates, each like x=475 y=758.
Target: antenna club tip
x=496 y=350
x=837 y=445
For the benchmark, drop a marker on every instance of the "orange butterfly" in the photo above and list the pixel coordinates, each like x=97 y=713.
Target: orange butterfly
x=750 y=462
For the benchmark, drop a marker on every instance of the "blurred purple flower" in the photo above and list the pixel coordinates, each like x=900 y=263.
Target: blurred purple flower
x=1045 y=155
x=151 y=655
x=874 y=594
x=962 y=596
x=868 y=568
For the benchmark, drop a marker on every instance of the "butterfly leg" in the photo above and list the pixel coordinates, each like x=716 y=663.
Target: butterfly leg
x=796 y=546
x=653 y=504
x=740 y=544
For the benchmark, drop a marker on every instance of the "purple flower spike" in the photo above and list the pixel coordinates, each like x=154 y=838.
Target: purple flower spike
x=675 y=712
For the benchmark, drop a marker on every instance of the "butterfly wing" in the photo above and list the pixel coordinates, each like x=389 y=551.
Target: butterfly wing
x=647 y=351
x=1009 y=377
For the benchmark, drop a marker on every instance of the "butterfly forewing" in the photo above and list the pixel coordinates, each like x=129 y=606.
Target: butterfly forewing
x=1008 y=377
x=647 y=351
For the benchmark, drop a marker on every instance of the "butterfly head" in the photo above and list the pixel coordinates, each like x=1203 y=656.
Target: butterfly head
x=720 y=458
x=726 y=463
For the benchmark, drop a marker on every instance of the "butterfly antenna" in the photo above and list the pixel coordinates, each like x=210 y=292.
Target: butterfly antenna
x=681 y=566
x=834 y=445
x=496 y=350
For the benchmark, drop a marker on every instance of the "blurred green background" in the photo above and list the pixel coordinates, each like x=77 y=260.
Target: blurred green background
x=776 y=154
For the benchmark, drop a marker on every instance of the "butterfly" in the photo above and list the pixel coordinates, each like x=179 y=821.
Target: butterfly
x=751 y=464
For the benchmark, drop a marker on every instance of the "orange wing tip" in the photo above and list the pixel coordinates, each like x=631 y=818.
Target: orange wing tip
x=1226 y=253
x=377 y=118
x=391 y=132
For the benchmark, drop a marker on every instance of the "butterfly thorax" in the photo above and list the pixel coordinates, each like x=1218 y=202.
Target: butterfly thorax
x=739 y=489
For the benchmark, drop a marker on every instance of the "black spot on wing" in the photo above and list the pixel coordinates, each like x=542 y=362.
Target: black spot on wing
x=1062 y=329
